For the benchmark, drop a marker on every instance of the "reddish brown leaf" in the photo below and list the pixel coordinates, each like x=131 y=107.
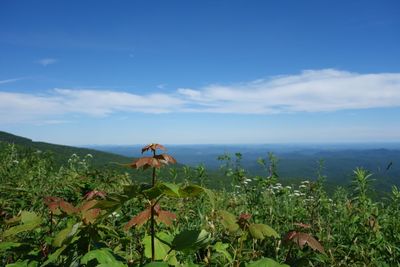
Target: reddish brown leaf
x=146 y=162
x=49 y=199
x=166 y=159
x=302 y=239
x=89 y=216
x=139 y=219
x=140 y=162
x=68 y=208
x=244 y=216
x=166 y=217
x=87 y=205
x=95 y=193
x=289 y=236
x=153 y=147
x=53 y=203
x=243 y=220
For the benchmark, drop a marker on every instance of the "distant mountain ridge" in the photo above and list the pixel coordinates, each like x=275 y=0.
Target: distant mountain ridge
x=62 y=153
x=294 y=161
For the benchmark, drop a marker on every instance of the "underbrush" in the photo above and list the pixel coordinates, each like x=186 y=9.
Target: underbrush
x=80 y=216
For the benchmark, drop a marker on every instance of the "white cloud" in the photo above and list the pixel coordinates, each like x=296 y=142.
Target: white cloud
x=10 y=80
x=309 y=91
x=46 y=61
x=193 y=94
x=24 y=107
x=100 y=103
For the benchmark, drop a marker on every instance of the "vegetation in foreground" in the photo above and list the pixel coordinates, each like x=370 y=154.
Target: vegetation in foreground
x=76 y=215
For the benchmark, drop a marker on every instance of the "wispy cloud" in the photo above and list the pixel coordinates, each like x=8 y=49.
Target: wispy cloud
x=25 y=107
x=10 y=80
x=46 y=61
x=310 y=91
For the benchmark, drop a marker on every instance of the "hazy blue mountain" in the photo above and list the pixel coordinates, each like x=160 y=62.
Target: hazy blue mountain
x=295 y=160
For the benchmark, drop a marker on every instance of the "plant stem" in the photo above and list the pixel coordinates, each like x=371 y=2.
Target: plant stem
x=154 y=172
x=51 y=223
x=152 y=230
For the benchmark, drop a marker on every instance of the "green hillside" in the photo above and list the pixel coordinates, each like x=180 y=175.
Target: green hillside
x=61 y=153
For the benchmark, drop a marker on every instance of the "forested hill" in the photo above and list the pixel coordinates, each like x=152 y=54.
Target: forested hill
x=62 y=153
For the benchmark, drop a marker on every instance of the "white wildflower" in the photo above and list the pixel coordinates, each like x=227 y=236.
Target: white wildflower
x=114 y=214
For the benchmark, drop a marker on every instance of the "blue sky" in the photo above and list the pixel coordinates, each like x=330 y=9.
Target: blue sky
x=193 y=72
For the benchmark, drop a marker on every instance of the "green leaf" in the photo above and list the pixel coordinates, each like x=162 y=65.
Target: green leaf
x=54 y=256
x=221 y=248
x=28 y=217
x=256 y=232
x=161 y=249
x=103 y=256
x=228 y=220
x=211 y=196
x=61 y=236
x=191 y=240
x=29 y=222
x=260 y=231
x=266 y=262
x=112 y=264
x=65 y=234
x=107 y=204
x=191 y=191
x=131 y=191
x=25 y=263
x=195 y=190
x=190 y=264
x=9 y=245
x=157 y=264
x=168 y=189
x=153 y=192
x=19 y=229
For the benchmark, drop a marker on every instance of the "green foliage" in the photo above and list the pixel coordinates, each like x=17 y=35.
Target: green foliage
x=28 y=221
x=61 y=154
x=102 y=257
x=190 y=240
x=261 y=231
x=266 y=262
x=77 y=215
